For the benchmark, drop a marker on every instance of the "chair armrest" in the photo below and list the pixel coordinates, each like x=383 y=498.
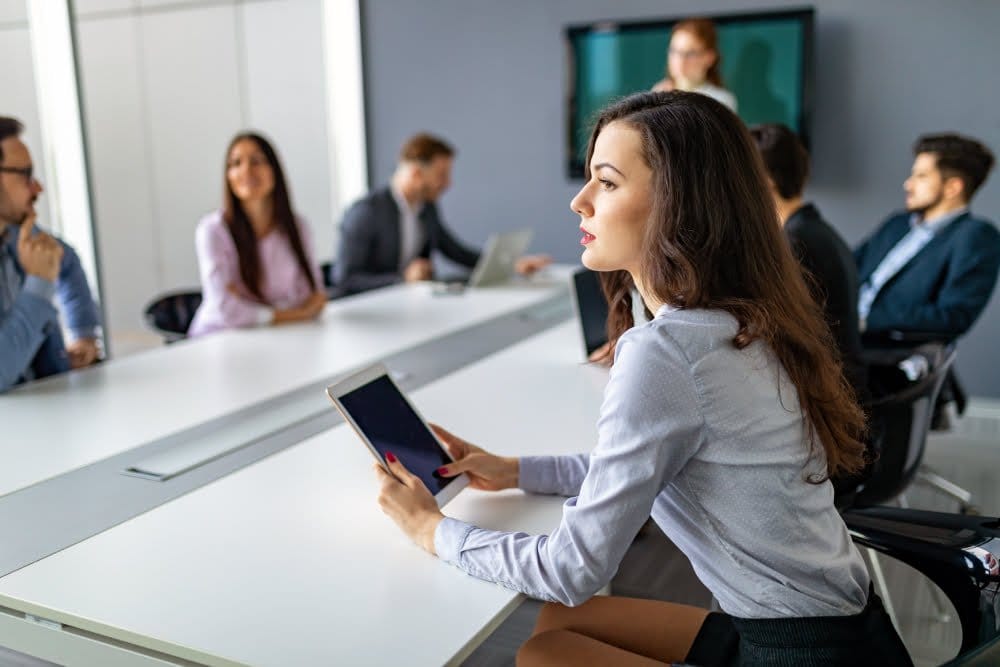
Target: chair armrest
x=959 y=553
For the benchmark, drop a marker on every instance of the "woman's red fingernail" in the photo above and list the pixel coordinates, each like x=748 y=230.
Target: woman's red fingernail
x=390 y=457
x=443 y=470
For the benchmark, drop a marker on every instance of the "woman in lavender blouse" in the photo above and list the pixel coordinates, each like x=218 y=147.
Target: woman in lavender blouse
x=255 y=255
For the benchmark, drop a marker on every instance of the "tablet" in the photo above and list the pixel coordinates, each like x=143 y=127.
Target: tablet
x=386 y=422
x=591 y=310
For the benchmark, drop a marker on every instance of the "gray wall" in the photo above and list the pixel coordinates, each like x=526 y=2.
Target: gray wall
x=490 y=76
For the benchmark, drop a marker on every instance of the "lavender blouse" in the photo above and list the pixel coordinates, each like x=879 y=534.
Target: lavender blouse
x=226 y=302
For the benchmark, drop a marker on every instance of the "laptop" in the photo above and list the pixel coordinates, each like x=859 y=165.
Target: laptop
x=591 y=309
x=496 y=263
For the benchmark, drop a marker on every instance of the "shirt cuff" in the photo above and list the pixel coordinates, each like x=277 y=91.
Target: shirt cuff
x=87 y=332
x=264 y=316
x=449 y=538
x=535 y=474
x=40 y=287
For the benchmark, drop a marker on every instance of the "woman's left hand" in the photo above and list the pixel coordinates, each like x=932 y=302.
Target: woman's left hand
x=406 y=500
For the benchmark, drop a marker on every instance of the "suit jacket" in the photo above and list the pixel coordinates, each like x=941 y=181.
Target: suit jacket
x=833 y=281
x=944 y=287
x=368 y=256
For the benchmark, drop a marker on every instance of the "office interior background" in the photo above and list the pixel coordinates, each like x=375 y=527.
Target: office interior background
x=165 y=84
x=340 y=84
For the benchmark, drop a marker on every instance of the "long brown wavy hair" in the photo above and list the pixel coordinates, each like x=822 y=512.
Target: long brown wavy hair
x=714 y=241
x=284 y=219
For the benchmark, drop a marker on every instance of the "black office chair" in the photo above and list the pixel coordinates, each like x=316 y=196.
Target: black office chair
x=170 y=315
x=959 y=553
x=900 y=422
x=332 y=290
x=897 y=343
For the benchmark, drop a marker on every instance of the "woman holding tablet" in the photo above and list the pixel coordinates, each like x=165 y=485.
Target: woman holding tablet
x=723 y=418
x=255 y=255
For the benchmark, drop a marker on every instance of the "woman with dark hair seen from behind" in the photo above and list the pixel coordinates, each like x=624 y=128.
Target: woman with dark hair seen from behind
x=255 y=256
x=723 y=419
x=694 y=63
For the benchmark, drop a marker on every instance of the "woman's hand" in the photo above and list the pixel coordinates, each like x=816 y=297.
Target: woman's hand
x=530 y=264
x=602 y=356
x=406 y=501
x=486 y=471
x=309 y=309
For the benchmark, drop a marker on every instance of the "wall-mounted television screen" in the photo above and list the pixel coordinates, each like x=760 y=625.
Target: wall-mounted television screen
x=766 y=62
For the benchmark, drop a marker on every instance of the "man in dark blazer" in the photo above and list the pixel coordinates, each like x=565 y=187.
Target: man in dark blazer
x=932 y=268
x=388 y=236
x=821 y=251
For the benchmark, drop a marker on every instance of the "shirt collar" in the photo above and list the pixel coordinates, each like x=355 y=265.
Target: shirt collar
x=8 y=235
x=404 y=206
x=935 y=225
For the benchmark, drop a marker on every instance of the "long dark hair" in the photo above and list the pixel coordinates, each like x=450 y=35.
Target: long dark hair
x=714 y=241
x=284 y=219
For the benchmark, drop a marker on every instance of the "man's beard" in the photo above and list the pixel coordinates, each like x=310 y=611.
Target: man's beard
x=922 y=209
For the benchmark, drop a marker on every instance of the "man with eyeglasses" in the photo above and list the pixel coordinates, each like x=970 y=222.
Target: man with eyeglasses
x=35 y=268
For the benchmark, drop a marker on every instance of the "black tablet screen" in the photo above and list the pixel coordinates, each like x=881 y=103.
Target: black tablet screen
x=391 y=425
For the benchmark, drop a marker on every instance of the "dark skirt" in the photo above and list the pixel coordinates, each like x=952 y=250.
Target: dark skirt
x=866 y=638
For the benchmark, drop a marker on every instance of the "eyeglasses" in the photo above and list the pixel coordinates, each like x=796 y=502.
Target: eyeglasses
x=28 y=172
x=684 y=55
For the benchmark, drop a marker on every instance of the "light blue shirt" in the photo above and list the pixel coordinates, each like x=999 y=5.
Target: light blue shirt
x=920 y=234
x=709 y=441
x=27 y=316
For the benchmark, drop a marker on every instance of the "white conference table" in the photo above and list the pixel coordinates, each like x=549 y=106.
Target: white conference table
x=59 y=424
x=289 y=561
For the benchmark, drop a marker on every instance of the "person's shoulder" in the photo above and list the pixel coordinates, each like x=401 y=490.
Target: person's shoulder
x=809 y=224
x=719 y=94
x=978 y=232
x=212 y=230
x=369 y=204
x=211 y=222
x=985 y=225
x=687 y=333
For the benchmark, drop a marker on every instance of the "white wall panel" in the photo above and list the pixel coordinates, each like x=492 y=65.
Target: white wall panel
x=117 y=139
x=191 y=75
x=285 y=98
x=13 y=11
x=19 y=100
x=84 y=8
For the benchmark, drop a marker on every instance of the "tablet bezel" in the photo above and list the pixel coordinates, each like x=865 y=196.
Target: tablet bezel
x=370 y=374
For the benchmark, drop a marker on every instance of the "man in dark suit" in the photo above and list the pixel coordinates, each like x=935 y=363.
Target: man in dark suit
x=388 y=236
x=932 y=268
x=827 y=260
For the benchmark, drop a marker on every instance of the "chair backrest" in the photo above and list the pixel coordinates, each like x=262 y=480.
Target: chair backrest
x=170 y=314
x=959 y=553
x=326 y=270
x=900 y=423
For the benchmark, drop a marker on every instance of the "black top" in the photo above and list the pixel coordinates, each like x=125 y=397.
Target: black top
x=834 y=284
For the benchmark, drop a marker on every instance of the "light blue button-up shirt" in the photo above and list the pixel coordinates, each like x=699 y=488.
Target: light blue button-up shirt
x=707 y=439
x=26 y=308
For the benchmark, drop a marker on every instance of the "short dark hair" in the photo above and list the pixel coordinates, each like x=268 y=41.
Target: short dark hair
x=784 y=156
x=423 y=148
x=958 y=156
x=9 y=127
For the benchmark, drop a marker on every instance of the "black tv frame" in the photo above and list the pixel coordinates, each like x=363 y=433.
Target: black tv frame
x=807 y=15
